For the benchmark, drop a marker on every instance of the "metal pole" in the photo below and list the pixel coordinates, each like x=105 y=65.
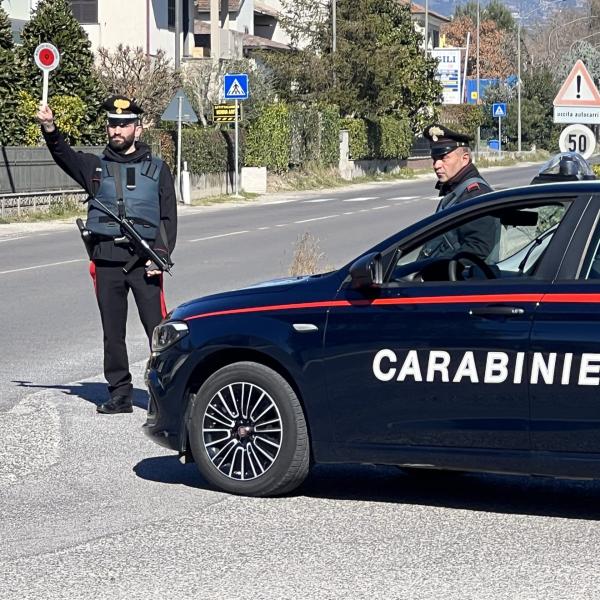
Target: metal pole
x=500 y=137
x=478 y=88
x=178 y=186
x=426 y=26
x=334 y=34
x=237 y=170
x=177 y=33
x=463 y=97
x=334 y=25
x=519 y=86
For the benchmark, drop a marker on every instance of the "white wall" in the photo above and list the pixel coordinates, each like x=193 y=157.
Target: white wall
x=19 y=9
x=125 y=22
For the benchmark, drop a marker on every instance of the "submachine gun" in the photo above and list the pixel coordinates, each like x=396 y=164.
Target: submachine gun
x=130 y=236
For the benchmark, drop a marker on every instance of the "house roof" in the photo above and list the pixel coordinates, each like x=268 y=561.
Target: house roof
x=264 y=9
x=417 y=9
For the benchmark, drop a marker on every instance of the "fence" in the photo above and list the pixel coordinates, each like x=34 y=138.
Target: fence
x=25 y=170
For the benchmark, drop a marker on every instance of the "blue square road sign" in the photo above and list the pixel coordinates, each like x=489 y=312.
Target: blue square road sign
x=235 y=86
x=499 y=109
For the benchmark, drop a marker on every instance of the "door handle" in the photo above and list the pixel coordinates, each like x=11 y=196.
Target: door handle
x=497 y=311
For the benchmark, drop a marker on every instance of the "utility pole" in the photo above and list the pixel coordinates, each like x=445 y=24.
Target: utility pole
x=478 y=87
x=178 y=33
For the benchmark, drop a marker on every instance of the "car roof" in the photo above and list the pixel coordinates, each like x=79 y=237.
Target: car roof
x=591 y=186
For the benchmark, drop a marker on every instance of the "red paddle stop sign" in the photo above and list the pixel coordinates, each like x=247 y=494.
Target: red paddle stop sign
x=46 y=57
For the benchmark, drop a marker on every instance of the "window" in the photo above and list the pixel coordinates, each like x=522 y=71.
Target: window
x=171 y=14
x=591 y=264
x=85 y=11
x=508 y=242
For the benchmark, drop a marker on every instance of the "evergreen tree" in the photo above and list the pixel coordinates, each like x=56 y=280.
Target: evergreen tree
x=53 y=21
x=495 y=11
x=6 y=38
x=9 y=82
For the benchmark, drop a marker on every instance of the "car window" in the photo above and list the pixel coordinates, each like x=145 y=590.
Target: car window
x=591 y=263
x=507 y=242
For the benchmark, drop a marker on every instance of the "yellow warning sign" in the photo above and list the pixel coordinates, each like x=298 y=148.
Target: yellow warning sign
x=225 y=113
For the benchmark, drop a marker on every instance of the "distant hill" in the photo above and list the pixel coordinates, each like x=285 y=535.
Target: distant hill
x=447 y=7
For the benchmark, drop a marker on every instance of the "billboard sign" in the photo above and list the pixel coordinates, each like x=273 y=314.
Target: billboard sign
x=448 y=74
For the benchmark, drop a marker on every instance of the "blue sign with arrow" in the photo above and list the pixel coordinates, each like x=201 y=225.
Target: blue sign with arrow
x=235 y=86
x=499 y=109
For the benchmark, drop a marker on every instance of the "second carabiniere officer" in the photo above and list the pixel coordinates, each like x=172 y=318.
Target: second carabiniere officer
x=133 y=184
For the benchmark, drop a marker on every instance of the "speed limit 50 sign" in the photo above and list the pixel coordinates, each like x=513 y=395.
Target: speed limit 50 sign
x=577 y=138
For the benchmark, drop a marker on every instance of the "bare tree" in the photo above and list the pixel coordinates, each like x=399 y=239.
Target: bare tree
x=150 y=80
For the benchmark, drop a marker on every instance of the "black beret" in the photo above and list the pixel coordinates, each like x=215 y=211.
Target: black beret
x=120 y=107
x=443 y=140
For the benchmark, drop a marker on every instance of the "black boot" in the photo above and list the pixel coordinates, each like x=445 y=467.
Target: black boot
x=118 y=404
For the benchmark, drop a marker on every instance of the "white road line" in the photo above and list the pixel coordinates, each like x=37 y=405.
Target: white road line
x=282 y=225
x=403 y=198
x=55 y=264
x=12 y=239
x=318 y=200
x=380 y=207
x=282 y=201
x=263 y=228
x=315 y=219
x=349 y=213
x=214 y=237
x=361 y=199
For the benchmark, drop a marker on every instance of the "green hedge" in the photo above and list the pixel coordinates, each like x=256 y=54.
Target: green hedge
x=330 y=135
x=396 y=137
x=314 y=135
x=162 y=144
x=389 y=137
x=357 y=137
x=268 y=138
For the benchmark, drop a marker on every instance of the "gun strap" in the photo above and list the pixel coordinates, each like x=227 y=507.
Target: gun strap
x=114 y=171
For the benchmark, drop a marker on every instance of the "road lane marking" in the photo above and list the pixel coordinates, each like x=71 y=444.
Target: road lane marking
x=282 y=201
x=316 y=219
x=55 y=264
x=221 y=235
x=12 y=239
x=319 y=200
x=380 y=207
x=403 y=198
x=361 y=199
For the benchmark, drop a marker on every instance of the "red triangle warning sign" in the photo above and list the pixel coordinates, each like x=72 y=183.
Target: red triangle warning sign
x=578 y=89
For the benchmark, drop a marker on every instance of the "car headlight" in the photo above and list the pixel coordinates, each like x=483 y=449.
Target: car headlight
x=167 y=334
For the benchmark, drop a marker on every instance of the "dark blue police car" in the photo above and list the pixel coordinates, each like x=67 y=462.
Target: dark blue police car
x=430 y=350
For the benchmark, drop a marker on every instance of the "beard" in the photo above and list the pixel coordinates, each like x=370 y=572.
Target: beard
x=121 y=143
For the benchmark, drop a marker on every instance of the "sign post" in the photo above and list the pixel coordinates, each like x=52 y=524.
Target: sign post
x=46 y=57
x=499 y=111
x=179 y=110
x=235 y=87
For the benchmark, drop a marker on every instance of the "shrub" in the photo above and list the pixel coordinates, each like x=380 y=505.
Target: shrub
x=358 y=139
x=205 y=150
x=396 y=137
x=162 y=144
x=268 y=138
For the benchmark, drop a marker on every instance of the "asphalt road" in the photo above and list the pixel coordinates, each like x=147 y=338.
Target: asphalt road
x=91 y=509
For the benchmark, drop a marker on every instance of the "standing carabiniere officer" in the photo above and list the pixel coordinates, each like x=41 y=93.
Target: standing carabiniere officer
x=133 y=183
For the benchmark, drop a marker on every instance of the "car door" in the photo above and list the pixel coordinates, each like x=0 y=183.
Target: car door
x=439 y=363
x=565 y=353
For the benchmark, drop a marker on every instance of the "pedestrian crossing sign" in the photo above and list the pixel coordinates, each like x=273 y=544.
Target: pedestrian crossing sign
x=235 y=86
x=499 y=109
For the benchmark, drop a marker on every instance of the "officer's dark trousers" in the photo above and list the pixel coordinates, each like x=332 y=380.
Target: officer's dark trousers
x=112 y=288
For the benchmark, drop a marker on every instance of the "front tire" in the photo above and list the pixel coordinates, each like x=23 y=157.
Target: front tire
x=247 y=431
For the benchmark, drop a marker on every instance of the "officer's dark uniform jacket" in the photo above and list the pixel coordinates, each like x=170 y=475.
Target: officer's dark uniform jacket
x=151 y=202
x=479 y=237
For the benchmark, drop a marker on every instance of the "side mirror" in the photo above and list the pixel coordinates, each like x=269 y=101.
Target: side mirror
x=367 y=271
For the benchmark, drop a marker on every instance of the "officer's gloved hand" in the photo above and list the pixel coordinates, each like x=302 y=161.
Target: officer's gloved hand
x=152 y=269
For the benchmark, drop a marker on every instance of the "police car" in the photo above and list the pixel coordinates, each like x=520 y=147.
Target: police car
x=445 y=360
